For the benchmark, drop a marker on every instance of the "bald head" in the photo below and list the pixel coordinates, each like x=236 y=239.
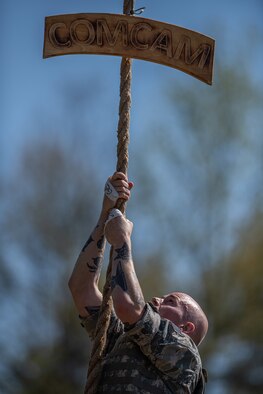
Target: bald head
x=193 y=313
x=185 y=312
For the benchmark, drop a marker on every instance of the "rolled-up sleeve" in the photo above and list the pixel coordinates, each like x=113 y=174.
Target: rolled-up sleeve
x=90 y=323
x=173 y=353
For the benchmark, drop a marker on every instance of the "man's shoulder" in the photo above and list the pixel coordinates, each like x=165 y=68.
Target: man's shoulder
x=163 y=337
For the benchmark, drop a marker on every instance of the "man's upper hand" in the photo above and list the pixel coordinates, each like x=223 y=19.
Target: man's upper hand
x=116 y=187
x=118 y=231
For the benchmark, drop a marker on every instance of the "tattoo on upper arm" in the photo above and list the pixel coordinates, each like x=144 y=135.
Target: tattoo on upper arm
x=123 y=253
x=93 y=267
x=92 y=309
x=87 y=243
x=119 y=279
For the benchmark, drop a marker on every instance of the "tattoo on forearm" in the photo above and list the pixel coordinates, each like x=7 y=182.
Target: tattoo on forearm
x=123 y=253
x=93 y=267
x=92 y=310
x=87 y=243
x=119 y=278
x=100 y=243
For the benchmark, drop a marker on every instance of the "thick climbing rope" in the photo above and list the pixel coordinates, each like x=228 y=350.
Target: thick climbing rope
x=97 y=354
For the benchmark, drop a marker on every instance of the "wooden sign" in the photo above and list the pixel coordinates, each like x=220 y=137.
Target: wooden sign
x=133 y=37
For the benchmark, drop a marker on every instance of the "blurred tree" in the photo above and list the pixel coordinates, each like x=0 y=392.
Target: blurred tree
x=51 y=215
x=59 y=367
x=153 y=277
x=207 y=183
x=209 y=157
x=190 y=195
x=234 y=288
x=49 y=219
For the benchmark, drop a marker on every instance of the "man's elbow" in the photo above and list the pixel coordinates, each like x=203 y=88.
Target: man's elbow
x=127 y=312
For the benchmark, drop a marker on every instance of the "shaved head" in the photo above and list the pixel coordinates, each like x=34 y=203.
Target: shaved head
x=185 y=312
x=194 y=313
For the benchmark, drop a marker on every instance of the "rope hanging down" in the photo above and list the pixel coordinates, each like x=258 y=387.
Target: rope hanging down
x=97 y=353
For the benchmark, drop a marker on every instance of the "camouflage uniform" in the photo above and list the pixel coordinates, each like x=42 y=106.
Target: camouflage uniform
x=151 y=356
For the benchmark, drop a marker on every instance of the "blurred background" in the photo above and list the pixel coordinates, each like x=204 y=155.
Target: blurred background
x=196 y=158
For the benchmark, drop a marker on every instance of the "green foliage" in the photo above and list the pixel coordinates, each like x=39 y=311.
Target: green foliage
x=152 y=276
x=234 y=291
x=60 y=367
x=247 y=270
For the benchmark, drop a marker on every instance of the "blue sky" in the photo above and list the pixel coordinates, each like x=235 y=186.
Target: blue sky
x=31 y=85
x=33 y=94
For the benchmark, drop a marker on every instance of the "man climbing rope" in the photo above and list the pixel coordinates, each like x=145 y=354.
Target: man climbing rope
x=151 y=347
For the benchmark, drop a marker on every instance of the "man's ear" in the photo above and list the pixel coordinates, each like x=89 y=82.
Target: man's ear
x=188 y=327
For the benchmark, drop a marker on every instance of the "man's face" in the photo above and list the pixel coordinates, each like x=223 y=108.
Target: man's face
x=170 y=307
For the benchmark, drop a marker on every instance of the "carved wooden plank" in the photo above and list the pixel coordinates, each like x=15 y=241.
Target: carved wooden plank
x=129 y=36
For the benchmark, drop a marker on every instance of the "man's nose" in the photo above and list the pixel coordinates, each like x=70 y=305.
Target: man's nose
x=156 y=301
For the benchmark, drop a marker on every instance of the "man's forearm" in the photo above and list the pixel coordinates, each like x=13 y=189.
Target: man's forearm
x=93 y=251
x=126 y=291
x=84 y=279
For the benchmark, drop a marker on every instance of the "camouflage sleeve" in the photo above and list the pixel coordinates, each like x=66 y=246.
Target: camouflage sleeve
x=173 y=353
x=89 y=323
x=115 y=329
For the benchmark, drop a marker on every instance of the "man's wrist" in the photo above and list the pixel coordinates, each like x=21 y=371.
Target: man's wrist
x=122 y=250
x=103 y=216
x=122 y=241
